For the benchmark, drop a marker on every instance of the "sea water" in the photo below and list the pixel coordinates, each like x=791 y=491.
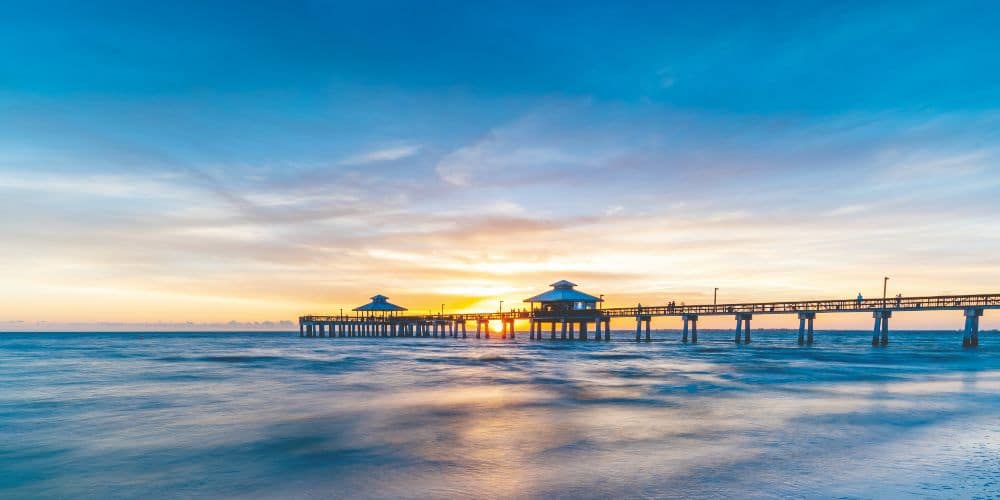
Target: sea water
x=274 y=415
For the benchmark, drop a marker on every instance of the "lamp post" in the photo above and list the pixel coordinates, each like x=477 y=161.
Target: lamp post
x=600 y=301
x=715 y=297
x=501 y=306
x=885 y=286
x=442 y=309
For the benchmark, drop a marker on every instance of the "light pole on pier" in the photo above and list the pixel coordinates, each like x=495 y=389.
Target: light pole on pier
x=600 y=301
x=885 y=286
x=442 y=309
x=715 y=297
x=501 y=306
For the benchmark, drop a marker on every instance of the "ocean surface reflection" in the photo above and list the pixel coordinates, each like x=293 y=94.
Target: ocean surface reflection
x=269 y=415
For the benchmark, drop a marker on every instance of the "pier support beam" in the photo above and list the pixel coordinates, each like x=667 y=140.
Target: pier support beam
x=583 y=330
x=638 y=328
x=743 y=327
x=607 y=329
x=513 y=334
x=531 y=335
x=552 y=334
x=880 y=335
x=691 y=319
x=971 y=335
x=597 y=329
x=563 y=336
x=806 y=325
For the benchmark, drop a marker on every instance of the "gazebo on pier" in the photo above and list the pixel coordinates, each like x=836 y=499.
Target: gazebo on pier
x=569 y=307
x=378 y=308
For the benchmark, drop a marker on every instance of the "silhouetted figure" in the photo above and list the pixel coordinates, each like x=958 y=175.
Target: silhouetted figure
x=860 y=300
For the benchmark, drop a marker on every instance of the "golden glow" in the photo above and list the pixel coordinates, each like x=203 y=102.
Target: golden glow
x=496 y=326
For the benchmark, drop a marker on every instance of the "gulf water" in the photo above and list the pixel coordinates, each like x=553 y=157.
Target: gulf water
x=265 y=415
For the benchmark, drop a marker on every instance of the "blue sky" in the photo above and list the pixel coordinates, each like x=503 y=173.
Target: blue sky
x=214 y=161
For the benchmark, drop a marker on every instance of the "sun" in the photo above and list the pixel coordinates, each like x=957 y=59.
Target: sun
x=496 y=326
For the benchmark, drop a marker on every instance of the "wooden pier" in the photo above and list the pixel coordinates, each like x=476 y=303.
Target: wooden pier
x=566 y=314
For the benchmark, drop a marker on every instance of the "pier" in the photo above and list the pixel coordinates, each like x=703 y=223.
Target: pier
x=565 y=313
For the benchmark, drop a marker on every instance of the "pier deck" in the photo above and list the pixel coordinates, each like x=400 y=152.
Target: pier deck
x=568 y=321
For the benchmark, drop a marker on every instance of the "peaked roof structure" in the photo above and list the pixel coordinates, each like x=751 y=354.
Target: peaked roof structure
x=379 y=303
x=562 y=291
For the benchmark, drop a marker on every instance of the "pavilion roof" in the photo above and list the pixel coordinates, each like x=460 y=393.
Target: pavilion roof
x=562 y=291
x=379 y=303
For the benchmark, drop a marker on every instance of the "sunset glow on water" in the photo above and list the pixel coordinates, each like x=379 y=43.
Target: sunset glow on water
x=268 y=415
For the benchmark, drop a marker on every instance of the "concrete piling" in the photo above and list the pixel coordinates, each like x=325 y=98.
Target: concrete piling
x=971 y=334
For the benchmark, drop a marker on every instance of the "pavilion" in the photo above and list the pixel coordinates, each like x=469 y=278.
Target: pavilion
x=563 y=298
x=379 y=307
x=569 y=307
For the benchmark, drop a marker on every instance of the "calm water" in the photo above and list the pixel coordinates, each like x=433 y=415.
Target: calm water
x=273 y=415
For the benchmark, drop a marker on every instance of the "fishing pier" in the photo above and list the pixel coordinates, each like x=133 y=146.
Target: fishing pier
x=565 y=313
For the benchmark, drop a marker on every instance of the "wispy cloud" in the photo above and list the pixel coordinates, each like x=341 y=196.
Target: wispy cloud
x=382 y=155
x=634 y=208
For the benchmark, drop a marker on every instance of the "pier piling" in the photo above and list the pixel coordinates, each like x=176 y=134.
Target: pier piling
x=971 y=335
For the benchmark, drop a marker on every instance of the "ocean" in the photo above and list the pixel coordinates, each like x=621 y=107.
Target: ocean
x=269 y=415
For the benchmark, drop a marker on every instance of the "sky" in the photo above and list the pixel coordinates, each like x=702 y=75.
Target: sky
x=214 y=162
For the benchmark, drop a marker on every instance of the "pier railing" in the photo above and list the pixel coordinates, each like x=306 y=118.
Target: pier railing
x=931 y=303
x=941 y=302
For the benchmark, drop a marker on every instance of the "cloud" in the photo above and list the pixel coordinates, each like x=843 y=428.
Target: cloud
x=629 y=205
x=381 y=155
x=526 y=151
